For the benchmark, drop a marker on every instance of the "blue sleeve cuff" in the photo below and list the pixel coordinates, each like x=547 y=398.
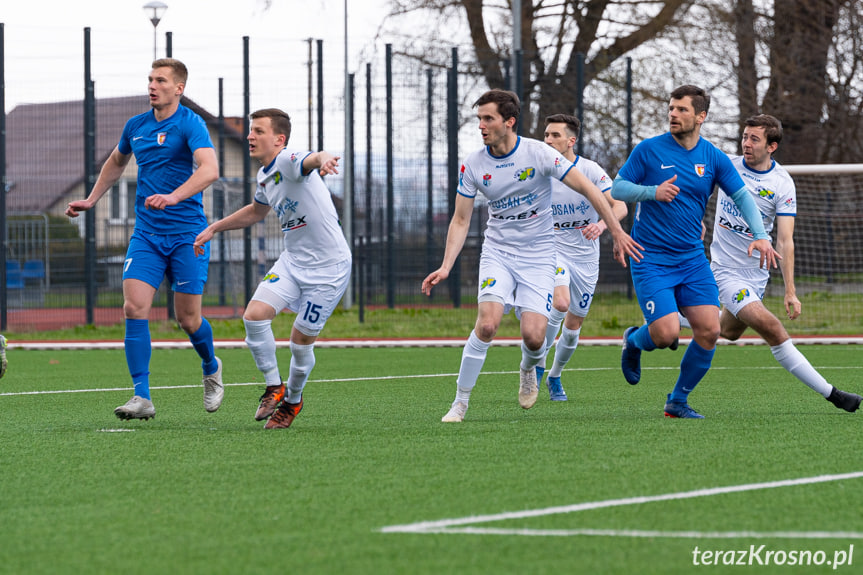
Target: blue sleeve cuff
x=750 y=213
x=626 y=191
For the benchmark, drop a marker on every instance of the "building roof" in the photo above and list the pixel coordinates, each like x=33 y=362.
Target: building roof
x=45 y=146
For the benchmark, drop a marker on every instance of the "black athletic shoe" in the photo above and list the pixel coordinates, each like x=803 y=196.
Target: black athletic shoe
x=844 y=400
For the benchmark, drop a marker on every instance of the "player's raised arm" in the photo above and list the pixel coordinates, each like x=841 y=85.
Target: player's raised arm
x=323 y=161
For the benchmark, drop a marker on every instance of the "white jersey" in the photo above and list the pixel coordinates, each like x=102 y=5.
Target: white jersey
x=774 y=194
x=313 y=235
x=572 y=212
x=518 y=189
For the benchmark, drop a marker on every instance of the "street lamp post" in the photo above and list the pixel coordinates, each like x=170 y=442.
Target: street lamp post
x=155 y=10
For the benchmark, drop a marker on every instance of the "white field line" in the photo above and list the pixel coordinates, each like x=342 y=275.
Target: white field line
x=389 y=377
x=446 y=525
x=651 y=534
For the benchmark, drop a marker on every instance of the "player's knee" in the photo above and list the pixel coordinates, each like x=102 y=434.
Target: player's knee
x=730 y=334
x=133 y=310
x=189 y=323
x=561 y=304
x=534 y=342
x=486 y=330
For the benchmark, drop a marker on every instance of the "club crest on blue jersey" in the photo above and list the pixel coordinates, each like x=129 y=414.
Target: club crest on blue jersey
x=271 y=278
x=486 y=180
x=525 y=174
x=487 y=282
x=741 y=295
x=699 y=169
x=161 y=137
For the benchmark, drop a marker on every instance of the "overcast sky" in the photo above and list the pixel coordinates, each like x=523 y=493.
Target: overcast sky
x=44 y=45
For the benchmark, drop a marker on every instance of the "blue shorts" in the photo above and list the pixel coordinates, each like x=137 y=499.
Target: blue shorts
x=152 y=257
x=662 y=289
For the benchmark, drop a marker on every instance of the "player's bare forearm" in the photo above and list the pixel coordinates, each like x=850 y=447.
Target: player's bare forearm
x=455 y=238
x=111 y=171
x=324 y=161
x=206 y=173
x=242 y=218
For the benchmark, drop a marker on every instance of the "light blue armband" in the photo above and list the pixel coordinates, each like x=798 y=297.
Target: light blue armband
x=750 y=213
x=626 y=191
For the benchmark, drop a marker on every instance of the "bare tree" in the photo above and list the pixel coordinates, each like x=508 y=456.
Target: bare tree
x=553 y=34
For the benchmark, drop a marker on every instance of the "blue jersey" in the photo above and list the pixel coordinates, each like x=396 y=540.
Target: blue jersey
x=164 y=152
x=671 y=231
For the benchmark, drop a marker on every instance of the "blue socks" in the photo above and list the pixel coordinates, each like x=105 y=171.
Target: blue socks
x=693 y=367
x=138 y=349
x=202 y=341
x=641 y=338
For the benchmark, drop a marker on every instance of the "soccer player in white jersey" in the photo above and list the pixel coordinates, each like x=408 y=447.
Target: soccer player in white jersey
x=577 y=228
x=312 y=272
x=514 y=174
x=741 y=281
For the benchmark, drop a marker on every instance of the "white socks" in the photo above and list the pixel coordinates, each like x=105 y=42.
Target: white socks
x=565 y=348
x=472 y=358
x=262 y=344
x=531 y=358
x=302 y=362
x=555 y=318
x=791 y=359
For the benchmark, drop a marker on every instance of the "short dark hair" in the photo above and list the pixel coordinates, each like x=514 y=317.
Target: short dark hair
x=700 y=98
x=179 y=70
x=572 y=123
x=508 y=104
x=772 y=127
x=279 y=119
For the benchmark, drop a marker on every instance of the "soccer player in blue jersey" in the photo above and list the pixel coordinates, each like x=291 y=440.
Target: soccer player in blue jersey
x=514 y=174
x=741 y=282
x=671 y=177
x=176 y=161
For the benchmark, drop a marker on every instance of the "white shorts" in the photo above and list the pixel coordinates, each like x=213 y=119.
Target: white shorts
x=313 y=293
x=581 y=277
x=523 y=284
x=739 y=287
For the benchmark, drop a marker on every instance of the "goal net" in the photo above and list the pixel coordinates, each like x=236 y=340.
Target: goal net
x=828 y=251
